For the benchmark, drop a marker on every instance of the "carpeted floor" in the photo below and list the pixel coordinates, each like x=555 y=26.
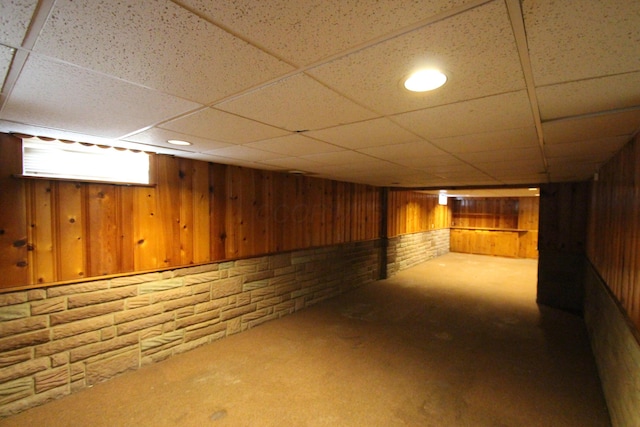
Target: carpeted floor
x=456 y=341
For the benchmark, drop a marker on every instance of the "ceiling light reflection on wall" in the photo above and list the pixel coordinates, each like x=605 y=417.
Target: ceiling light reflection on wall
x=425 y=80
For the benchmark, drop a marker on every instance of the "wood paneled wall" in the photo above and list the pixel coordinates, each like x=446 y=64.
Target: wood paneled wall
x=413 y=212
x=496 y=226
x=52 y=231
x=614 y=227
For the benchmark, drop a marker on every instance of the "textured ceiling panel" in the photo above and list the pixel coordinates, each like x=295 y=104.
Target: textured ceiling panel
x=371 y=133
x=475 y=48
x=15 y=16
x=157 y=44
x=464 y=118
x=574 y=40
x=595 y=147
x=420 y=149
x=6 y=55
x=513 y=154
x=306 y=31
x=340 y=158
x=489 y=141
x=593 y=127
x=294 y=145
x=159 y=137
x=221 y=126
x=243 y=152
x=100 y=105
x=297 y=103
x=589 y=96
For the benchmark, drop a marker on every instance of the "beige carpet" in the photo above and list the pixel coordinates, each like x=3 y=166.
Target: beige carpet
x=456 y=341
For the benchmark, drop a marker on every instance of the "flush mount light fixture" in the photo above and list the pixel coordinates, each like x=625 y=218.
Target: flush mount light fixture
x=178 y=142
x=425 y=80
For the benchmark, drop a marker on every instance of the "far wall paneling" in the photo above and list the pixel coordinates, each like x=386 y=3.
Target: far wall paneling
x=495 y=226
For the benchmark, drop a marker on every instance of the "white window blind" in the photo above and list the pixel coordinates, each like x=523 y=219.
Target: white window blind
x=54 y=159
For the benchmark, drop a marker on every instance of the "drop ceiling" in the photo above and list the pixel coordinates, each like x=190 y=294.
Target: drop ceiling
x=537 y=91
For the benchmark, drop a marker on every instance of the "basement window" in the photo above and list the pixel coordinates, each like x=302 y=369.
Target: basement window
x=84 y=162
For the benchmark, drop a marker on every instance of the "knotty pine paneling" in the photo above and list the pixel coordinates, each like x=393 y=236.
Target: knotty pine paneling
x=52 y=231
x=614 y=228
x=496 y=226
x=14 y=262
x=414 y=212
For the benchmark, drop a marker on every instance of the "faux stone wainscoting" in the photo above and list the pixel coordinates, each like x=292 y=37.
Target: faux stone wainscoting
x=58 y=340
x=616 y=350
x=407 y=250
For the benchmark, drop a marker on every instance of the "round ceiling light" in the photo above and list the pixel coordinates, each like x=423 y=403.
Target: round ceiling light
x=178 y=142
x=425 y=80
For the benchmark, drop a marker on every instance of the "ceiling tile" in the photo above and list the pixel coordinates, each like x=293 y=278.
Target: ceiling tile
x=596 y=147
x=494 y=168
x=476 y=49
x=589 y=96
x=292 y=163
x=513 y=154
x=470 y=117
x=198 y=60
x=573 y=40
x=297 y=103
x=294 y=145
x=241 y=152
x=157 y=136
x=340 y=158
x=591 y=127
x=14 y=20
x=100 y=105
x=217 y=125
x=488 y=141
x=411 y=150
x=6 y=56
x=305 y=31
x=370 y=133
x=434 y=163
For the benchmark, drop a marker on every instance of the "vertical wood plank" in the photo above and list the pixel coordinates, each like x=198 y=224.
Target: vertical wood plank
x=70 y=230
x=201 y=207
x=102 y=236
x=43 y=260
x=169 y=203
x=218 y=210
x=186 y=214
x=14 y=264
x=146 y=230
x=125 y=220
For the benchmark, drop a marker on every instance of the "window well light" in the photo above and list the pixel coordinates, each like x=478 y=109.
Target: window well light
x=178 y=142
x=425 y=80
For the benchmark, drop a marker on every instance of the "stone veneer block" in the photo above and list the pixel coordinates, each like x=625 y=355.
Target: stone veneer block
x=107 y=368
x=29 y=339
x=62 y=290
x=91 y=298
x=48 y=306
x=13 y=299
x=9 y=358
x=24 y=369
x=15 y=390
x=12 y=312
x=50 y=379
x=160 y=285
x=26 y=324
